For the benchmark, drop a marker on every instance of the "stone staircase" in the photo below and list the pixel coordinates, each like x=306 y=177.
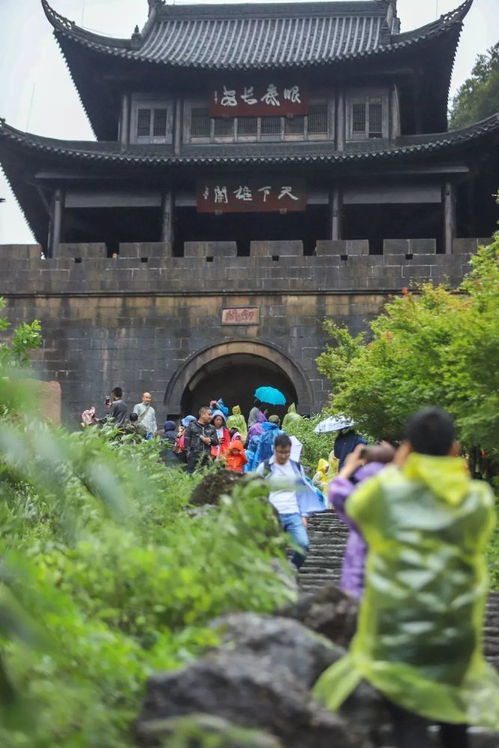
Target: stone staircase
x=328 y=537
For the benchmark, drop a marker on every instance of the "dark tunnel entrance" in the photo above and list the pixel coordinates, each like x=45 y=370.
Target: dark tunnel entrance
x=235 y=378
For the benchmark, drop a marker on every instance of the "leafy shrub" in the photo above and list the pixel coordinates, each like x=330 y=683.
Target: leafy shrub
x=107 y=576
x=315 y=445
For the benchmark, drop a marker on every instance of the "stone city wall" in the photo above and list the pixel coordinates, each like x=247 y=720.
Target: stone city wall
x=136 y=320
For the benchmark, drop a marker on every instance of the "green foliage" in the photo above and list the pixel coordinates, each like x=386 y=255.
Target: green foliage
x=433 y=347
x=15 y=348
x=493 y=554
x=478 y=97
x=107 y=574
x=315 y=446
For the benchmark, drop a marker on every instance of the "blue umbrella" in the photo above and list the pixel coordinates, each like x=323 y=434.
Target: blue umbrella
x=270 y=395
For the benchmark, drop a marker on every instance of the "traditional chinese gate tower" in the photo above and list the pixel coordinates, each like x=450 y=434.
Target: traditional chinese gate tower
x=245 y=135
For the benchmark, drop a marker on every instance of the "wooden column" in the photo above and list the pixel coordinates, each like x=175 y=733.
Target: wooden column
x=167 y=218
x=449 y=215
x=177 y=140
x=335 y=212
x=125 y=121
x=56 y=223
x=340 y=119
x=394 y=112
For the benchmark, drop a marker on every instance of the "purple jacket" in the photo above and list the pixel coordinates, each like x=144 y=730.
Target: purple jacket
x=257 y=427
x=352 y=570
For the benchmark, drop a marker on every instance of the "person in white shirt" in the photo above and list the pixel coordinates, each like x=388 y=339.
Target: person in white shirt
x=287 y=481
x=147 y=415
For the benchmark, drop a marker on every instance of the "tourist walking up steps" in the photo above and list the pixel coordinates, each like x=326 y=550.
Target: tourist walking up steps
x=419 y=634
x=290 y=495
x=200 y=436
x=147 y=415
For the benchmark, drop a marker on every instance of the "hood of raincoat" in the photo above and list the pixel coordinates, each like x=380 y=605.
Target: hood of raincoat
x=187 y=420
x=223 y=407
x=322 y=466
x=269 y=426
x=236 y=410
x=218 y=413
x=169 y=426
x=236 y=444
x=260 y=417
x=446 y=477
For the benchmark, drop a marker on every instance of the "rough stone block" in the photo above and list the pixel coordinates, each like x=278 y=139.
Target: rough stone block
x=84 y=251
x=423 y=246
x=141 y=250
x=276 y=248
x=357 y=247
x=20 y=251
x=396 y=246
x=469 y=245
x=210 y=249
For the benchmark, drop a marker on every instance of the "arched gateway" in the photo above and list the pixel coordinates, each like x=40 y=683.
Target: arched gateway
x=233 y=370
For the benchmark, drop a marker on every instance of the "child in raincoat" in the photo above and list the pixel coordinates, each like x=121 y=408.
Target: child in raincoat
x=235 y=456
x=326 y=470
x=419 y=635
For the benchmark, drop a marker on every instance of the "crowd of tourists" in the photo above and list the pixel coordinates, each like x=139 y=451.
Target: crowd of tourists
x=258 y=445
x=418 y=525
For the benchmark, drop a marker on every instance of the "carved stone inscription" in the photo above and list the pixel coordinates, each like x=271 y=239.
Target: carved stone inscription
x=241 y=316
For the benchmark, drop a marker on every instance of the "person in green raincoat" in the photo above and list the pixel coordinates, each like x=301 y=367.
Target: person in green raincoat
x=237 y=421
x=291 y=417
x=419 y=635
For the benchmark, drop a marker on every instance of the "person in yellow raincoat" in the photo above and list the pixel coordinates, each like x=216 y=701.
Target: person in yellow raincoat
x=237 y=421
x=326 y=471
x=419 y=635
x=291 y=417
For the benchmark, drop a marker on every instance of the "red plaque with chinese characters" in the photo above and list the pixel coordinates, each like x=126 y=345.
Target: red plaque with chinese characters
x=249 y=196
x=241 y=316
x=258 y=101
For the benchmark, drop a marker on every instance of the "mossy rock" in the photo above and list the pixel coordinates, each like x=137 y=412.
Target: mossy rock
x=214 y=484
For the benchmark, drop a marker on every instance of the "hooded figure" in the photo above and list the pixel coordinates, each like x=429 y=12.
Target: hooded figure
x=170 y=432
x=265 y=446
x=222 y=406
x=290 y=418
x=321 y=478
x=223 y=434
x=235 y=456
x=419 y=637
x=257 y=427
x=238 y=421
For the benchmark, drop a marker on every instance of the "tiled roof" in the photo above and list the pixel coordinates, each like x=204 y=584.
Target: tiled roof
x=263 y=36
x=242 y=154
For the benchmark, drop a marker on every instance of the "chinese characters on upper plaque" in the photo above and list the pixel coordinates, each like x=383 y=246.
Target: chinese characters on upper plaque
x=245 y=196
x=258 y=101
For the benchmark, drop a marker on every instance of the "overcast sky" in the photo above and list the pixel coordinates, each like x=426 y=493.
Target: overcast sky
x=38 y=95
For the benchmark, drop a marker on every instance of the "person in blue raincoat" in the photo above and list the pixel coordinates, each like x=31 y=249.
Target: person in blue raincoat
x=290 y=495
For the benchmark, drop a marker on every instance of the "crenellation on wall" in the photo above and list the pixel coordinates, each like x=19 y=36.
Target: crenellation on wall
x=349 y=247
x=469 y=245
